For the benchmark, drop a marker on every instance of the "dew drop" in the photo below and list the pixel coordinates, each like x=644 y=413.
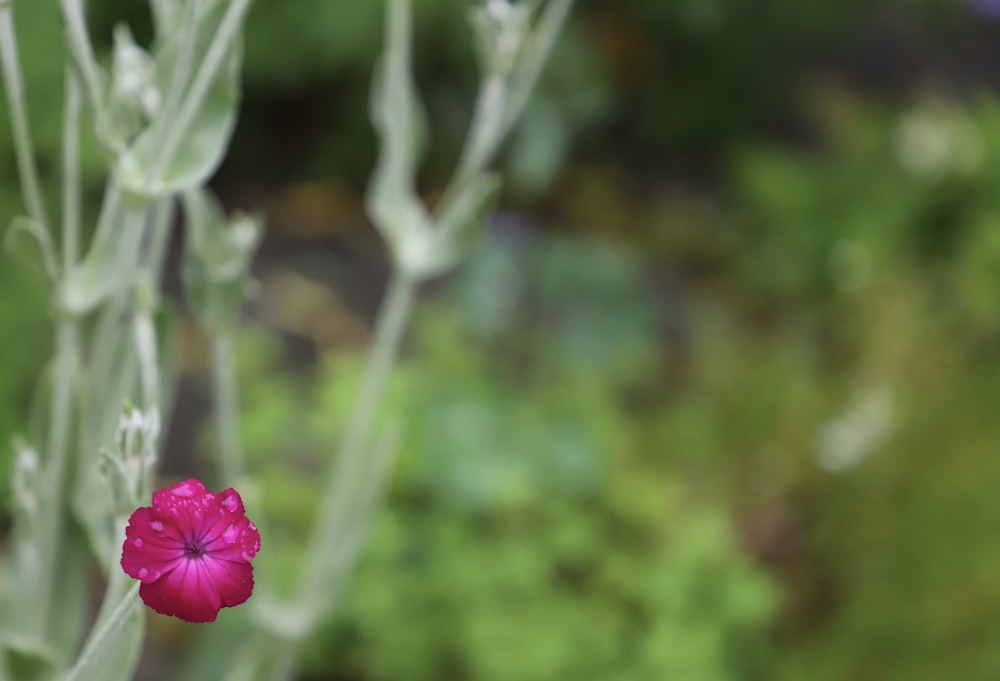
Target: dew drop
x=137 y=543
x=247 y=556
x=182 y=489
x=156 y=525
x=143 y=572
x=230 y=503
x=155 y=575
x=229 y=536
x=252 y=527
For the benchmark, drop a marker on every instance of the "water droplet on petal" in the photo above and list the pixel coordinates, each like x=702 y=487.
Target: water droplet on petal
x=183 y=489
x=229 y=536
x=252 y=527
x=230 y=503
x=137 y=543
x=247 y=556
x=143 y=572
x=156 y=575
x=156 y=525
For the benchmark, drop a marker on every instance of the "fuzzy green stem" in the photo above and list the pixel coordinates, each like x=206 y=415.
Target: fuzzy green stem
x=51 y=520
x=23 y=147
x=178 y=81
x=145 y=349
x=117 y=580
x=341 y=485
x=485 y=133
x=104 y=634
x=71 y=172
x=157 y=226
x=215 y=57
x=537 y=50
x=226 y=407
x=82 y=51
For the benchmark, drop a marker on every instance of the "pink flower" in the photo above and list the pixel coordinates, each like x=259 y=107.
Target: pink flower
x=191 y=551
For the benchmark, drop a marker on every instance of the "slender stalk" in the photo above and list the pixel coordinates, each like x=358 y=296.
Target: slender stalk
x=82 y=51
x=71 y=172
x=392 y=319
x=217 y=53
x=117 y=580
x=226 y=406
x=156 y=228
x=179 y=79
x=356 y=519
x=537 y=52
x=344 y=542
x=161 y=227
x=485 y=133
x=101 y=636
x=107 y=336
x=144 y=334
x=23 y=147
x=501 y=100
x=51 y=516
x=185 y=59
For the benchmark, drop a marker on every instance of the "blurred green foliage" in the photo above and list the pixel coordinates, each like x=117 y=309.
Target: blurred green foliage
x=762 y=448
x=537 y=528
x=587 y=442
x=880 y=255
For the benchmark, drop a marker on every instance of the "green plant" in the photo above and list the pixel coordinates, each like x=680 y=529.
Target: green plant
x=537 y=527
x=163 y=117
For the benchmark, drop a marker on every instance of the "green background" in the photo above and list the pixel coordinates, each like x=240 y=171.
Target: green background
x=713 y=399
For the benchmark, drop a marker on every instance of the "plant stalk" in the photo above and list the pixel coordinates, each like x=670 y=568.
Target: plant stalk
x=23 y=148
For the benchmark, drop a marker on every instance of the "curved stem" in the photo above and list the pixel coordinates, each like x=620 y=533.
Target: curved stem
x=102 y=636
x=83 y=55
x=343 y=482
x=485 y=133
x=23 y=147
x=117 y=579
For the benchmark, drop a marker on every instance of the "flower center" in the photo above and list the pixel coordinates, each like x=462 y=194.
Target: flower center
x=193 y=549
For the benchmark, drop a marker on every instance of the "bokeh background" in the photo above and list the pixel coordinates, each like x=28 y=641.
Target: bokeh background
x=715 y=396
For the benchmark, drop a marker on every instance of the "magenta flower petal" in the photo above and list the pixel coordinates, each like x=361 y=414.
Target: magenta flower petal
x=191 y=550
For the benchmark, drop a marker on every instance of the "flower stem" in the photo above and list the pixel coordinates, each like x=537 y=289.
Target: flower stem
x=102 y=637
x=51 y=522
x=82 y=52
x=343 y=483
x=19 y=118
x=537 y=51
x=226 y=411
x=71 y=171
x=218 y=51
